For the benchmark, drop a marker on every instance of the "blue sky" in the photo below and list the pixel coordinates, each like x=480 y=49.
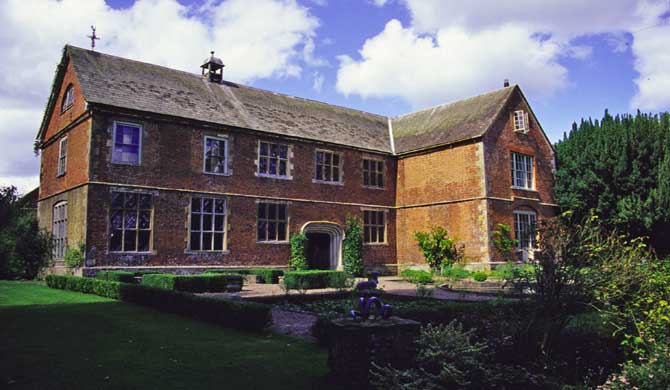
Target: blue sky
x=572 y=58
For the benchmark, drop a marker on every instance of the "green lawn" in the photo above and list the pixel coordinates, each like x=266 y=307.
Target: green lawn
x=54 y=339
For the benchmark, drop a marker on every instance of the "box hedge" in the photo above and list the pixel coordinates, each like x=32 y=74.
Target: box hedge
x=117 y=276
x=249 y=316
x=313 y=279
x=194 y=283
x=263 y=275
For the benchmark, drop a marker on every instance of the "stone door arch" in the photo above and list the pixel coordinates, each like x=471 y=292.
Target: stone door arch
x=336 y=236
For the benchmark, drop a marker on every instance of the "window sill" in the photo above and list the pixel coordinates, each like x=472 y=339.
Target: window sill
x=524 y=189
x=145 y=253
x=193 y=252
x=272 y=242
x=217 y=174
x=60 y=175
x=374 y=188
x=125 y=163
x=274 y=176
x=66 y=109
x=376 y=243
x=332 y=183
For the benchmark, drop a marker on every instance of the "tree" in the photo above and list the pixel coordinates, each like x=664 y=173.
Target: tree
x=438 y=249
x=24 y=248
x=619 y=167
x=353 y=247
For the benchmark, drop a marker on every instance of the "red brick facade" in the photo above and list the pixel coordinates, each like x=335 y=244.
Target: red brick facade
x=463 y=186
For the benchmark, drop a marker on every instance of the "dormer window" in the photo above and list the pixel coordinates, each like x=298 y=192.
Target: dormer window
x=68 y=98
x=521 y=121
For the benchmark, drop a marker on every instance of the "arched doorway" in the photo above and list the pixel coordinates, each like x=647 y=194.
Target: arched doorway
x=324 y=245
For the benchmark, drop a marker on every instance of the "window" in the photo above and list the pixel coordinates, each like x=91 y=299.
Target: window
x=208 y=224
x=62 y=157
x=127 y=144
x=272 y=222
x=524 y=229
x=520 y=121
x=59 y=229
x=374 y=227
x=328 y=166
x=522 y=171
x=373 y=173
x=130 y=222
x=216 y=155
x=68 y=98
x=272 y=159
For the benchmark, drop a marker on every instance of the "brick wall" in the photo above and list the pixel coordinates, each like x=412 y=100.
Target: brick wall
x=77 y=202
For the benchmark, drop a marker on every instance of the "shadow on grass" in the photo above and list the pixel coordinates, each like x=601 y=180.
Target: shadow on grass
x=116 y=345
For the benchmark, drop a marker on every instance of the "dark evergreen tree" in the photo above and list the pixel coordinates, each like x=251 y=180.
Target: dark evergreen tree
x=620 y=168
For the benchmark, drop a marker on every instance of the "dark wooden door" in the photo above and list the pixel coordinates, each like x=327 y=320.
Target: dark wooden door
x=318 y=250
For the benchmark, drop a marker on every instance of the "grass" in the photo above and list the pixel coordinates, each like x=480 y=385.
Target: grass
x=54 y=339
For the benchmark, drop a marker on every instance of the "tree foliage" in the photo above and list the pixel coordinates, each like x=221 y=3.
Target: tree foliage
x=24 y=248
x=620 y=168
x=353 y=247
x=438 y=249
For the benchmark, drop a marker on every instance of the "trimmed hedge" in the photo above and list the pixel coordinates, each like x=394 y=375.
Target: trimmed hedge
x=104 y=288
x=312 y=279
x=194 y=283
x=249 y=316
x=264 y=275
x=117 y=276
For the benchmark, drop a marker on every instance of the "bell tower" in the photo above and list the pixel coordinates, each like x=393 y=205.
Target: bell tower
x=212 y=68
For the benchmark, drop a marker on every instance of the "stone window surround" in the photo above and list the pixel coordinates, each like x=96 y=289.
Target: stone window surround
x=154 y=195
x=525 y=178
x=139 y=145
x=521 y=123
x=340 y=167
x=68 y=98
x=386 y=219
x=62 y=157
x=59 y=228
x=288 y=221
x=226 y=226
x=219 y=137
x=377 y=159
x=289 y=155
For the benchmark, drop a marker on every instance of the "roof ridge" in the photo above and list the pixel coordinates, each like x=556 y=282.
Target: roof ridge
x=511 y=87
x=223 y=82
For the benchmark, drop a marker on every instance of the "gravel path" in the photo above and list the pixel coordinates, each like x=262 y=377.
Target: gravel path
x=293 y=324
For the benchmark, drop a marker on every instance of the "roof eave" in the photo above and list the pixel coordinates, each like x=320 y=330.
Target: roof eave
x=55 y=88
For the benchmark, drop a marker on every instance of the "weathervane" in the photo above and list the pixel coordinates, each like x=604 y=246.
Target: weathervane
x=93 y=38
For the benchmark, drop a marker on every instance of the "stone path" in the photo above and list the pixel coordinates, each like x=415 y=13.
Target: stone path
x=293 y=324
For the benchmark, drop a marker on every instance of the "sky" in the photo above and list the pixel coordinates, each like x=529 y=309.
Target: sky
x=572 y=58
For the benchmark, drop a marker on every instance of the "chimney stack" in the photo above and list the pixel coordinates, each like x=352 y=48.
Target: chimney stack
x=506 y=83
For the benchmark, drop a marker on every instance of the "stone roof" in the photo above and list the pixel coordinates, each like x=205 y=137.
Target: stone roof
x=120 y=82
x=448 y=123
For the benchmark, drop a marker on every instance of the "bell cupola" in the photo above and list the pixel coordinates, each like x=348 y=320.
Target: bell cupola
x=212 y=68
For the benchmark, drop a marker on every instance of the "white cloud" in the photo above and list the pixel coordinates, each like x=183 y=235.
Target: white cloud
x=317 y=81
x=255 y=38
x=453 y=64
x=379 y=3
x=453 y=49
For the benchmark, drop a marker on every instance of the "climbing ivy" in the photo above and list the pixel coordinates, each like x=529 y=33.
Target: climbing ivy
x=298 y=260
x=353 y=247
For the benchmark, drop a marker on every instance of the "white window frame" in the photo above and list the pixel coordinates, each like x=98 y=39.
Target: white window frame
x=384 y=213
x=518 y=231
x=139 y=146
x=375 y=172
x=527 y=174
x=62 y=157
x=287 y=222
x=201 y=232
x=137 y=228
x=225 y=152
x=68 y=98
x=59 y=229
x=258 y=173
x=340 y=165
x=521 y=121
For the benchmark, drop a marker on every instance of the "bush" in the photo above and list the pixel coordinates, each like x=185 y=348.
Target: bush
x=648 y=374
x=352 y=252
x=194 y=283
x=117 y=276
x=103 y=288
x=417 y=276
x=298 y=259
x=74 y=257
x=480 y=276
x=312 y=279
x=511 y=271
x=503 y=242
x=438 y=249
x=249 y=316
x=456 y=272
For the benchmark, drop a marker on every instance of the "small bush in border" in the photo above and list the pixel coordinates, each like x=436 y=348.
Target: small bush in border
x=480 y=276
x=438 y=249
x=194 y=283
x=417 y=276
x=313 y=279
x=117 y=276
x=74 y=257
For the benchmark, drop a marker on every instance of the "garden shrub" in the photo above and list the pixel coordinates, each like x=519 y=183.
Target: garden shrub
x=438 y=249
x=511 y=271
x=249 y=316
x=456 y=272
x=480 y=276
x=74 y=257
x=194 y=283
x=313 y=279
x=298 y=259
x=417 y=276
x=352 y=252
x=117 y=276
x=651 y=373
